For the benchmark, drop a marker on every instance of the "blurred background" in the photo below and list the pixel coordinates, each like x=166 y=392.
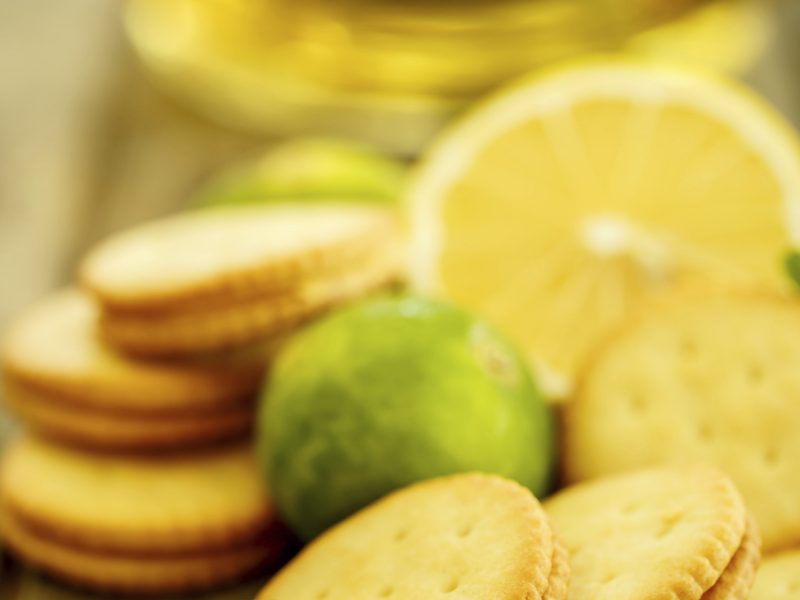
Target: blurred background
x=115 y=112
x=112 y=113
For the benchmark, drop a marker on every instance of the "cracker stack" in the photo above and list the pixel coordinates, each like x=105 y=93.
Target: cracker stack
x=131 y=525
x=663 y=533
x=141 y=392
x=705 y=376
x=213 y=280
x=67 y=384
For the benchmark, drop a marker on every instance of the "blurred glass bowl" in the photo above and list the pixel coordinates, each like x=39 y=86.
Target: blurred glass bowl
x=384 y=71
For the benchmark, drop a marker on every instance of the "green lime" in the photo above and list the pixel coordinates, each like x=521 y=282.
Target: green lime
x=309 y=169
x=392 y=391
x=791 y=263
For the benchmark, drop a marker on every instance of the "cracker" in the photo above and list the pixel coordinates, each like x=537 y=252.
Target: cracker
x=665 y=533
x=158 y=504
x=181 y=333
x=472 y=536
x=115 y=431
x=737 y=579
x=230 y=252
x=54 y=347
x=709 y=377
x=140 y=575
x=558 y=583
x=778 y=577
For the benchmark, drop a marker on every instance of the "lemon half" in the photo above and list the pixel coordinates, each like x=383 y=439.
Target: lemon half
x=558 y=204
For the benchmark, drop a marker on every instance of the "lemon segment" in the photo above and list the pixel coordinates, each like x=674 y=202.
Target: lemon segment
x=555 y=207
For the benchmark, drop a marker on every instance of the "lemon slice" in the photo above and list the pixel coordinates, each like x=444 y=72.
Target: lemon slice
x=560 y=203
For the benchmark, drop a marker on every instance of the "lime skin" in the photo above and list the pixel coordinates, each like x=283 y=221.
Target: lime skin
x=392 y=391
x=308 y=170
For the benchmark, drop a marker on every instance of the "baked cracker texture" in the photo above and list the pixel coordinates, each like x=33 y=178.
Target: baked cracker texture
x=160 y=504
x=473 y=536
x=662 y=533
x=227 y=253
x=54 y=347
x=705 y=377
x=119 y=431
x=189 y=332
x=139 y=574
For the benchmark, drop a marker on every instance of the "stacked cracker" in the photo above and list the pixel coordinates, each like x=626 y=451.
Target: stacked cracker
x=661 y=533
x=140 y=391
x=704 y=375
x=221 y=279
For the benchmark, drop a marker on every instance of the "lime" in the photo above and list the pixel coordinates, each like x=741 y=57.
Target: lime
x=791 y=264
x=389 y=392
x=309 y=169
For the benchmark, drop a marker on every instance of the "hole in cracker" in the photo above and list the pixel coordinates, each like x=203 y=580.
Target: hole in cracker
x=771 y=456
x=793 y=586
x=704 y=432
x=465 y=530
x=668 y=523
x=451 y=585
x=687 y=348
x=755 y=373
x=630 y=508
x=322 y=594
x=386 y=591
x=400 y=535
x=573 y=549
x=637 y=403
x=609 y=577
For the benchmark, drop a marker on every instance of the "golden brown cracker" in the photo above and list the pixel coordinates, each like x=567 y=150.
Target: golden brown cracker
x=236 y=252
x=472 y=536
x=137 y=574
x=152 y=504
x=737 y=579
x=705 y=377
x=181 y=333
x=120 y=431
x=558 y=583
x=667 y=533
x=54 y=347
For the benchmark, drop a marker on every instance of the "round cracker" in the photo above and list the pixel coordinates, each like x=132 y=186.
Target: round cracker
x=475 y=536
x=55 y=347
x=147 y=504
x=230 y=252
x=558 y=583
x=703 y=377
x=105 y=430
x=778 y=577
x=737 y=579
x=185 y=333
x=140 y=575
x=670 y=530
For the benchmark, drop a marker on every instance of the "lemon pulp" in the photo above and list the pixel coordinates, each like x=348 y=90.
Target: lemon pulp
x=555 y=207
